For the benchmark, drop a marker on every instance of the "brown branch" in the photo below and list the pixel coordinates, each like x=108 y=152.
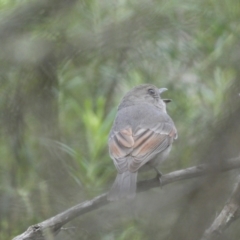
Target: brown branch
x=229 y=213
x=54 y=224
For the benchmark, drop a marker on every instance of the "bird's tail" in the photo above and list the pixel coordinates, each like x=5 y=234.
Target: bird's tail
x=124 y=186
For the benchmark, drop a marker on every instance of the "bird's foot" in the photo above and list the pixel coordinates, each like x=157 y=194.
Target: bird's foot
x=159 y=175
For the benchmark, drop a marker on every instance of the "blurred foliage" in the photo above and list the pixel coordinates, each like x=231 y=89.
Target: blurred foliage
x=64 y=66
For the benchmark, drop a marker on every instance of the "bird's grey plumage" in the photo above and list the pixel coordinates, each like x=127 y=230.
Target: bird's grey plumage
x=142 y=133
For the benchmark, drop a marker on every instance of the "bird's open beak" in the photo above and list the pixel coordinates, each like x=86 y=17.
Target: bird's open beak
x=167 y=100
x=161 y=90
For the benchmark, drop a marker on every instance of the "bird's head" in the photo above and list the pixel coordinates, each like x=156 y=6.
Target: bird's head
x=146 y=93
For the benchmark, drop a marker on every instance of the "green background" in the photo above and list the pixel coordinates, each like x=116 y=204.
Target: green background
x=64 y=67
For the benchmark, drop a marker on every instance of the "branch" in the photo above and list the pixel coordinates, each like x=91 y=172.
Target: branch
x=53 y=225
x=230 y=213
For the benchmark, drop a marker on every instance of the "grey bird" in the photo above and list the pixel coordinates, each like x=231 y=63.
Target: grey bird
x=141 y=137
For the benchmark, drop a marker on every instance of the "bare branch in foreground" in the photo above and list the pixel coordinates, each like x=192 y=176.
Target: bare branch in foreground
x=229 y=213
x=53 y=225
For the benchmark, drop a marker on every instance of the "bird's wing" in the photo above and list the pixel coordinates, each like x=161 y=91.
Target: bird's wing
x=149 y=142
x=131 y=150
x=120 y=146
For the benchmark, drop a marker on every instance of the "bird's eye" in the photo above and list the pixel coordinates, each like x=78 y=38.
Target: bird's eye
x=151 y=91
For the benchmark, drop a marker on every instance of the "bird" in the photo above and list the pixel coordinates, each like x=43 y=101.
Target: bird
x=141 y=137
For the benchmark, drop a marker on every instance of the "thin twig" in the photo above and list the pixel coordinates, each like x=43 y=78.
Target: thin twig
x=229 y=213
x=53 y=225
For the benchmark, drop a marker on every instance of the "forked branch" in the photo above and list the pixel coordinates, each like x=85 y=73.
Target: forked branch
x=52 y=226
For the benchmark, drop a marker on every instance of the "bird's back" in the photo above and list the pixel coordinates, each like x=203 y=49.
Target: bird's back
x=144 y=116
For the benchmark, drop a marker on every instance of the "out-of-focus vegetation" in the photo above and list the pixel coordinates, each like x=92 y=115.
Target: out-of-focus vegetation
x=64 y=66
